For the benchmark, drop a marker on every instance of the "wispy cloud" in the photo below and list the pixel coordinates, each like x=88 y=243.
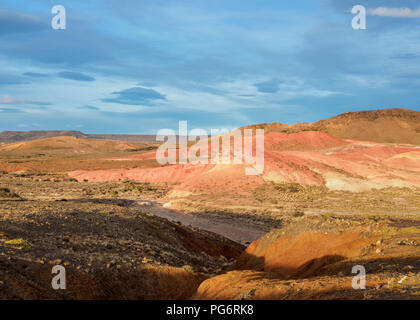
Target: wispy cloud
x=90 y=108
x=14 y=22
x=136 y=96
x=8 y=79
x=10 y=110
x=395 y=12
x=75 y=76
x=269 y=86
x=9 y=100
x=36 y=75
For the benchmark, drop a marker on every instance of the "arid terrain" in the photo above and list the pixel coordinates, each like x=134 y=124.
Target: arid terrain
x=334 y=194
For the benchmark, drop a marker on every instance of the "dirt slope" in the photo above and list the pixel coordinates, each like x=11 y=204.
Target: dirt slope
x=66 y=144
x=388 y=125
x=307 y=158
x=16 y=136
x=315 y=261
x=111 y=249
x=300 y=255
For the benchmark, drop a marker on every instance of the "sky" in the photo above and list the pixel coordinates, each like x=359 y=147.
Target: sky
x=137 y=66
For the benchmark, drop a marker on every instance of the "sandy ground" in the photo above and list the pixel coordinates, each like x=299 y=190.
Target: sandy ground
x=114 y=245
x=233 y=230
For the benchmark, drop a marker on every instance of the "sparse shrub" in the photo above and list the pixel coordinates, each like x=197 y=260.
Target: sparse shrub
x=277 y=192
x=298 y=214
x=5 y=193
x=294 y=187
x=17 y=243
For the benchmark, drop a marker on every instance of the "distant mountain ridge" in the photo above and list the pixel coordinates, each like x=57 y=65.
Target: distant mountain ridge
x=384 y=125
x=20 y=136
x=17 y=136
x=67 y=145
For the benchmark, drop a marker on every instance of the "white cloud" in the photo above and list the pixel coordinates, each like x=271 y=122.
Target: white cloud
x=9 y=100
x=395 y=12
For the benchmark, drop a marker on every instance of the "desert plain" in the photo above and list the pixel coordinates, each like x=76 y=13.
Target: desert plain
x=334 y=194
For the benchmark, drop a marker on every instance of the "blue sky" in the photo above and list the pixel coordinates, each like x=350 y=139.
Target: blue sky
x=126 y=66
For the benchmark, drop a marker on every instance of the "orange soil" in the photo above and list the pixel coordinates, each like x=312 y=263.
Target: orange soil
x=301 y=255
x=288 y=268
x=307 y=158
x=319 y=266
